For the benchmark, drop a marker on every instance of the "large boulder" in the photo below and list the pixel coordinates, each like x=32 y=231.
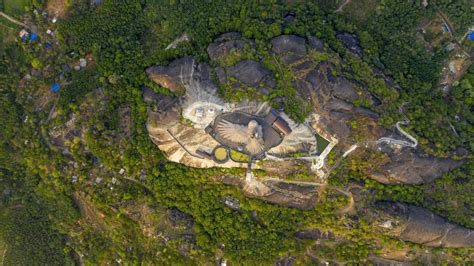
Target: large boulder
x=344 y=89
x=217 y=51
x=315 y=234
x=287 y=194
x=316 y=43
x=174 y=76
x=249 y=72
x=418 y=225
x=407 y=167
x=351 y=42
x=349 y=90
x=288 y=44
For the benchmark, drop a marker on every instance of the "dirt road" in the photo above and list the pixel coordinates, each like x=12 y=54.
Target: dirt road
x=339 y=9
x=13 y=20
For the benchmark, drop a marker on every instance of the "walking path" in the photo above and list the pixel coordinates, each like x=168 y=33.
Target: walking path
x=342 y=6
x=3 y=256
x=13 y=20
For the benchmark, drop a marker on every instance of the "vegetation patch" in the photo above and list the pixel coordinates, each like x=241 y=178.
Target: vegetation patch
x=321 y=143
x=16 y=8
x=221 y=154
x=239 y=156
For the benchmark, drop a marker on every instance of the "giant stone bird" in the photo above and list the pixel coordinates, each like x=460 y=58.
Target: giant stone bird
x=249 y=135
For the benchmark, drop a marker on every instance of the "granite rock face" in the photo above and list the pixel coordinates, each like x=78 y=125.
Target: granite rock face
x=174 y=76
x=288 y=194
x=418 y=225
x=351 y=42
x=218 y=50
x=316 y=43
x=407 y=167
x=249 y=72
x=288 y=44
x=315 y=234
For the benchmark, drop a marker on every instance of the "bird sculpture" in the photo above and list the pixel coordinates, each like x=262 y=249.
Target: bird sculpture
x=250 y=136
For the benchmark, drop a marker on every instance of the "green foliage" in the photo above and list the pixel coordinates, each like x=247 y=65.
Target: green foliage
x=457 y=11
x=71 y=95
x=124 y=39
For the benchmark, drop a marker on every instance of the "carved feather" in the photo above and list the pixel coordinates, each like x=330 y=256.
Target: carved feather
x=243 y=134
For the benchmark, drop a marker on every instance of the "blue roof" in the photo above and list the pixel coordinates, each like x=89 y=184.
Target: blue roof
x=47 y=44
x=24 y=37
x=55 y=87
x=33 y=36
x=471 y=36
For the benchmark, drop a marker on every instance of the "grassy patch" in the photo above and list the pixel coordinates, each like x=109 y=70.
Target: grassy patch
x=3 y=249
x=7 y=38
x=322 y=143
x=239 y=157
x=15 y=8
x=7 y=33
x=360 y=11
x=220 y=153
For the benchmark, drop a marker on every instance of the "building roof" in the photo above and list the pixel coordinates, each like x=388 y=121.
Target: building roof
x=33 y=36
x=55 y=87
x=281 y=125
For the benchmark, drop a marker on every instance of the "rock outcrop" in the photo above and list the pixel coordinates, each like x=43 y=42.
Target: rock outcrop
x=218 y=50
x=316 y=43
x=315 y=234
x=288 y=44
x=250 y=72
x=288 y=194
x=351 y=42
x=174 y=76
x=347 y=90
x=407 y=167
x=418 y=225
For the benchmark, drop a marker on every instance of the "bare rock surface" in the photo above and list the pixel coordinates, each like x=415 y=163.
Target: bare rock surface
x=350 y=41
x=174 y=76
x=418 y=225
x=407 y=167
x=250 y=72
x=288 y=194
x=315 y=234
x=316 y=43
x=288 y=44
x=218 y=50
x=180 y=142
x=331 y=102
x=345 y=89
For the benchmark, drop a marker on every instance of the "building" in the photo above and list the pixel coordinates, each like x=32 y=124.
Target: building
x=279 y=124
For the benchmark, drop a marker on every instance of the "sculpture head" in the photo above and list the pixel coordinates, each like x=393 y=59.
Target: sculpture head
x=253 y=129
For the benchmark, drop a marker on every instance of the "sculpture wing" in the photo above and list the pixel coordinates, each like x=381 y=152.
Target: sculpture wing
x=255 y=145
x=233 y=132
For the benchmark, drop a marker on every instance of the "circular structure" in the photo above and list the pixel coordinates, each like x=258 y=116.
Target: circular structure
x=220 y=154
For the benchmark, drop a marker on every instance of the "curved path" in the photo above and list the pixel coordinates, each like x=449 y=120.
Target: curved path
x=342 y=6
x=13 y=20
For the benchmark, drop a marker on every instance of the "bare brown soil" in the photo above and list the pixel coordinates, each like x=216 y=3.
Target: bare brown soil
x=57 y=7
